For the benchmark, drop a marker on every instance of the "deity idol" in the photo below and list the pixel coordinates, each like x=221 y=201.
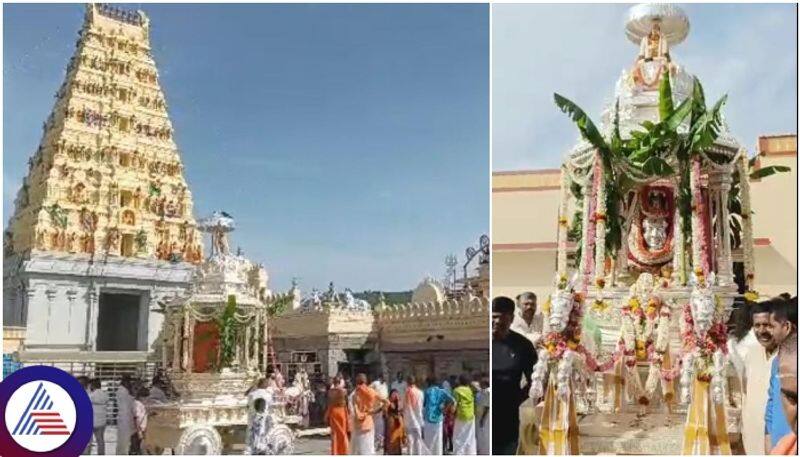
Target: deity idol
x=650 y=236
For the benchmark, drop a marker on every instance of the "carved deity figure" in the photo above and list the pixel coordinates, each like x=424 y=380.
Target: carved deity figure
x=219 y=239
x=78 y=193
x=643 y=288
x=654 y=45
x=137 y=197
x=41 y=240
x=71 y=241
x=112 y=240
x=331 y=294
x=561 y=303
x=655 y=232
x=703 y=305
x=171 y=209
x=650 y=236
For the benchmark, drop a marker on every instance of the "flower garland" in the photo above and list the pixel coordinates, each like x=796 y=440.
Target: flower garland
x=679 y=252
x=585 y=241
x=700 y=262
x=600 y=227
x=747 y=222
x=563 y=225
x=591 y=230
x=645 y=336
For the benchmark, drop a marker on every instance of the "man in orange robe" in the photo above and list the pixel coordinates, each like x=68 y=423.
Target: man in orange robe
x=336 y=417
x=365 y=402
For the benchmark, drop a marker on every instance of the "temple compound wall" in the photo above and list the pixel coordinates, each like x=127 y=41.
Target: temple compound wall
x=440 y=338
x=447 y=337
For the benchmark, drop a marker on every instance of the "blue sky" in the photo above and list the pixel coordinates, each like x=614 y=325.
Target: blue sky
x=350 y=142
x=745 y=50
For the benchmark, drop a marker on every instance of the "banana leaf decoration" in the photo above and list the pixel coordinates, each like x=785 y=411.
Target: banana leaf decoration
x=651 y=150
x=227 y=333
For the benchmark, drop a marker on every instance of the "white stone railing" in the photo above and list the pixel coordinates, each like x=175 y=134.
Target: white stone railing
x=447 y=309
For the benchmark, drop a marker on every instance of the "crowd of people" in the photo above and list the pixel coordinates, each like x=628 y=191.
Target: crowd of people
x=762 y=357
x=132 y=396
x=408 y=416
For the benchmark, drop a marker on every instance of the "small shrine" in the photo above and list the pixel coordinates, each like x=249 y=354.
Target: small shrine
x=635 y=335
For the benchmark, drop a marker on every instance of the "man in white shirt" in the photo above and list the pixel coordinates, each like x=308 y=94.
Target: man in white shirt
x=413 y=418
x=400 y=386
x=527 y=322
x=99 y=399
x=125 y=426
x=757 y=369
x=379 y=386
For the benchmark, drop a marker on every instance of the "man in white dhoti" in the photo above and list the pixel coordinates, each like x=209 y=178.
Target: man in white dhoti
x=124 y=416
x=434 y=403
x=379 y=386
x=757 y=364
x=413 y=418
x=464 y=429
x=365 y=403
x=482 y=404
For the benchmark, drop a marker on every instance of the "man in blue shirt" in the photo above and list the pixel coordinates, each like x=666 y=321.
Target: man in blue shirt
x=434 y=403
x=776 y=424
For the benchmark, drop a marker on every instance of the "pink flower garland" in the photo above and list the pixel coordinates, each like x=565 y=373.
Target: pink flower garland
x=700 y=229
x=592 y=221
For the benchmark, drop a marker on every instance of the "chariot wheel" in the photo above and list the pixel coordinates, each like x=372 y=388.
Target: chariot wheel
x=199 y=440
x=280 y=440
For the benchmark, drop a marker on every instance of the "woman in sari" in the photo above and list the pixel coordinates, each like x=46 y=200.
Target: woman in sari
x=395 y=427
x=336 y=417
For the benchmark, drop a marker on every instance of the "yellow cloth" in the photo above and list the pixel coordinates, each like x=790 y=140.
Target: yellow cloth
x=559 y=425
x=529 y=428
x=706 y=429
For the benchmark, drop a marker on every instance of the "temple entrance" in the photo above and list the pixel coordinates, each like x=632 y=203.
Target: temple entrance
x=118 y=322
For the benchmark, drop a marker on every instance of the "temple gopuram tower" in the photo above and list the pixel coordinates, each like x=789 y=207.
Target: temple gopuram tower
x=102 y=230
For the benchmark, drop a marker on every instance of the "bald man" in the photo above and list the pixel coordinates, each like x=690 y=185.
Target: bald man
x=366 y=402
